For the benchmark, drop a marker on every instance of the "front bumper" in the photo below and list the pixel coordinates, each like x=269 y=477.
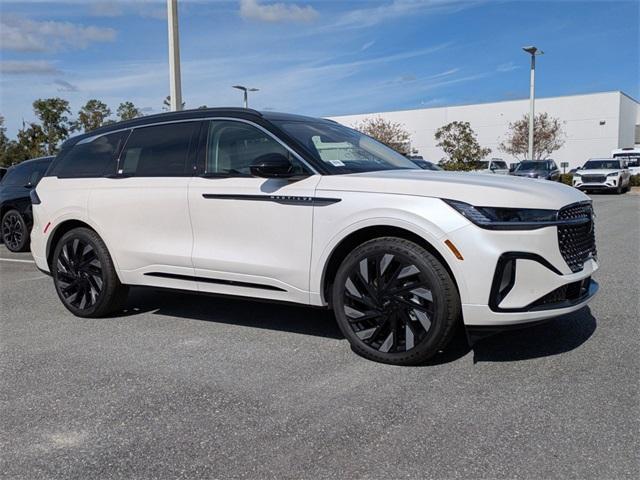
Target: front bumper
x=609 y=184
x=539 y=284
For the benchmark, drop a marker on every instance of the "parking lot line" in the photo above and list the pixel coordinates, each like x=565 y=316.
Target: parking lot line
x=17 y=260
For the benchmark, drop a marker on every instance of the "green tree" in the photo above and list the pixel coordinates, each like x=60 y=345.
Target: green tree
x=460 y=145
x=92 y=115
x=392 y=134
x=128 y=111
x=5 y=144
x=55 y=125
x=548 y=136
x=32 y=143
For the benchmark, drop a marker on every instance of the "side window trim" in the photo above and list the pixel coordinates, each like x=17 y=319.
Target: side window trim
x=117 y=172
x=203 y=146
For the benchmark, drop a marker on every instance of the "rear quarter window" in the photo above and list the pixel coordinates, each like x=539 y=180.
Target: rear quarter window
x=95 y=158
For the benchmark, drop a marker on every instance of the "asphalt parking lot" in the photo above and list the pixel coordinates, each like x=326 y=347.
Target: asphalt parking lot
x=184 y=386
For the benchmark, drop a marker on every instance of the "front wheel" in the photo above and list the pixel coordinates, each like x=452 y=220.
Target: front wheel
x=395 y=302
x=84 y=275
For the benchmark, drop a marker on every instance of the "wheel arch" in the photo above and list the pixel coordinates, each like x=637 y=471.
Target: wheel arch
x=59 y=231
x=364 y=234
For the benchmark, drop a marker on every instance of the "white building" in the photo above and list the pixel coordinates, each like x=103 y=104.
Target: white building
x=594 y=124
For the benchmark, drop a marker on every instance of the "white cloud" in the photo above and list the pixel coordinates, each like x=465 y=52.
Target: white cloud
x=367 y=45
x=25 y=35
x=106 y=9
x=276 y=12
x=367 y=17
x=64 y=86
x=507 y=67
x=31 y=67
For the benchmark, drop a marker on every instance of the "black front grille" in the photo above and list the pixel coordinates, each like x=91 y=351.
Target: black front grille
x=577 y=242
x=593 y=178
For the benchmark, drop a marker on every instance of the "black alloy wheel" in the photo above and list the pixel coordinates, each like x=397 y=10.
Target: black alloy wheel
x=15 y=233
x=79 y=273
x=84 y=275
x=395 y=302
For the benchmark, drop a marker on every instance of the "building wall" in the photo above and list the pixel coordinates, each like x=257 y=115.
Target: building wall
x=594 y=124
x=629 y=121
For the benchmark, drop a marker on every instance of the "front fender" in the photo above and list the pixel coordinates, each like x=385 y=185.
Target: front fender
x=428 y=218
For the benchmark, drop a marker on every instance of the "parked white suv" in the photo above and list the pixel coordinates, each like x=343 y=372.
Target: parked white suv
x=495 y=165
x=233 y=201
x=603 y=174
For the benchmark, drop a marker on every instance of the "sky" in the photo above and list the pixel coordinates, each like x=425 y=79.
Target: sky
x=319 y=58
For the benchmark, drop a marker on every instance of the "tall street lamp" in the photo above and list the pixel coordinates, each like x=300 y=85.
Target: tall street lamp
x=175 y=88
x=246 y=91
x=533 y=51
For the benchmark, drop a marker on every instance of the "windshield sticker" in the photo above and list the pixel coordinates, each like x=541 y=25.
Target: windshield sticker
x=336 y=163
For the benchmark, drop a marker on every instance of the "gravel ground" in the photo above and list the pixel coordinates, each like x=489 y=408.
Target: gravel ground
x=184 y=386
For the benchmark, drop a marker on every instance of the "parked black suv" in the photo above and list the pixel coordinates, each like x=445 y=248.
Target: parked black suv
x=546 y=169
x=15 y=204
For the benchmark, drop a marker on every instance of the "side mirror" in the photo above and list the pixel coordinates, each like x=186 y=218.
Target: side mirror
x=272 y=165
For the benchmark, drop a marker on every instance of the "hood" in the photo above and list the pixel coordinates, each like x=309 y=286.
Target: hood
x=479 y=190
x=598 y=171
x=530 y=173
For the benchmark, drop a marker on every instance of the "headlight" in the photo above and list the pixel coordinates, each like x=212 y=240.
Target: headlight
x=614 y=174
x=498 y=218
x=577 y=175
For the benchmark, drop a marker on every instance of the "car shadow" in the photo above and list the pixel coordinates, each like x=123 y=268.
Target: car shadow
x=554 y=337
x=245 y=312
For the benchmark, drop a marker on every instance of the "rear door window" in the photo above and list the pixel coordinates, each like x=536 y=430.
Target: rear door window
x=93 y=158
x=37 y=172
x=18 y=175
x=159 y=151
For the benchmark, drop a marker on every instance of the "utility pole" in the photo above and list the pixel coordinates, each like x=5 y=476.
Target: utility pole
x=175 y=87
x=533 y=51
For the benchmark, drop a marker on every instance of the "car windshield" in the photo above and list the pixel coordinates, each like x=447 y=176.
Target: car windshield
x=529 y=165
x=344 y=150
x=499 y=164
x=602 y=164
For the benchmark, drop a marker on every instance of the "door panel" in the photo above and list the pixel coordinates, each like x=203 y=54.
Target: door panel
x=143 y=210
x=145 y=221
x=250 y=230
x=252 y=236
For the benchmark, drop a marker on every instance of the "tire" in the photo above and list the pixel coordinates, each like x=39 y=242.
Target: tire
x=403 y=328
x=84 y=275
x=15 y=233
x=619 y=190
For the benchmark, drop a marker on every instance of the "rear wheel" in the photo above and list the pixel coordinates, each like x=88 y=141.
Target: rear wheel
x=395 y=302
x=84 y=275
x=15 y=233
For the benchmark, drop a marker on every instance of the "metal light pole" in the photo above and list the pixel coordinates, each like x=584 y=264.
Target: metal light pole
x=533 y=51
x=175 y=87
x=246 y=91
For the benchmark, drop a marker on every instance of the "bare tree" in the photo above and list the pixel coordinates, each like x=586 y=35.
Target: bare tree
x=392 y=134
x=460 y=145
x=548 y=136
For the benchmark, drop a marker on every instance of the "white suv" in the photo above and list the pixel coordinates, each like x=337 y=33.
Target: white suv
x=603 y=174
x=298 y=209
